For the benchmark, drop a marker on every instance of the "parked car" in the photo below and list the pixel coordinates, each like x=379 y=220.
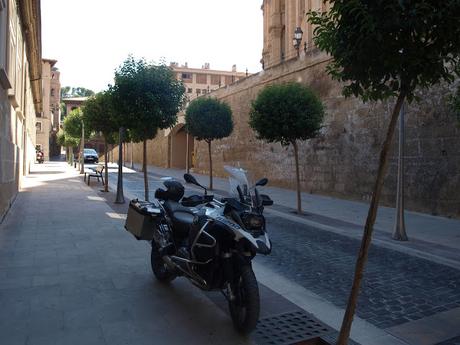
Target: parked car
x=90 y=156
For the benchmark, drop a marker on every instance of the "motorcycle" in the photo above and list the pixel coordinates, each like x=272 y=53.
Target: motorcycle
x=210 y=242
x=40 y=157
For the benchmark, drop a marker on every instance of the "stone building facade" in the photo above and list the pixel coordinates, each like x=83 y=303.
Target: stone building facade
x=49 y=122
x=342 y=162
x=281 y=19
x=20 y=93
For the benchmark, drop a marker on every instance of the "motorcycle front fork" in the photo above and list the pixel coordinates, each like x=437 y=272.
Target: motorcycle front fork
x=231 y=264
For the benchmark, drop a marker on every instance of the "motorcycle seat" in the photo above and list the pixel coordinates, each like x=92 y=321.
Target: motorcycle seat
x=181 y=216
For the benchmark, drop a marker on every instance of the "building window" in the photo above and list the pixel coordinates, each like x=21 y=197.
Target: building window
x=201 y=78
x=38 y=126
x=189 y=90
x=204 y=91
x=215 y=79
x=198 y=91
x=52 y=92
x=187 y=76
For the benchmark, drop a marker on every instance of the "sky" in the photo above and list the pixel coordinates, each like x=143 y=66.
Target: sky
x=91 y=38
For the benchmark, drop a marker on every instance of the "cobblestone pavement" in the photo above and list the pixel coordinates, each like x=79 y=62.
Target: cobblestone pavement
x=397 y=288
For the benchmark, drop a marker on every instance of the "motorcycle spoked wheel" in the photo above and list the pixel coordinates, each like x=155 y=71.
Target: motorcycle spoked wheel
x=159 y=268
x=245 y=309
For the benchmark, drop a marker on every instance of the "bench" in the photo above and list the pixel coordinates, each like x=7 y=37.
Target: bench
x=96 y=173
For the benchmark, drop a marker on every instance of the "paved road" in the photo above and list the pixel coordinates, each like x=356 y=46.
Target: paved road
x=397 y=288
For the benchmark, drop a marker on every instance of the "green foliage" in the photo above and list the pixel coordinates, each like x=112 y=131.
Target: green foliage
x=383 y=48
x=286 y=112
x=73 y=123
x=208 y=119
x=70 y=91
x=147 y=97
x=64 y=139
x=99 y=116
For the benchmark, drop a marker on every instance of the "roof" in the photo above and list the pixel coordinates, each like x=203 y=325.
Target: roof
x=74 y=99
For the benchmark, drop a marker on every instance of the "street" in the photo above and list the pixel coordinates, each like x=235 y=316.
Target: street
x=398 y=288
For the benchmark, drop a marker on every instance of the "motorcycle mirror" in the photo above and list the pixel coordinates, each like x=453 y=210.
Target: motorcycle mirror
x=190 y=179
x=262 y=182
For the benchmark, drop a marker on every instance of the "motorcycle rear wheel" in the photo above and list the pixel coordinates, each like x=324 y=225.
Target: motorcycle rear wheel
x=159 y=268
x=245 y=309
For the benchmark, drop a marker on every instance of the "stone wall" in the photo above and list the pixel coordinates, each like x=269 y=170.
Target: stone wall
x=343 y=160
x=157 y=152
x=9 y=154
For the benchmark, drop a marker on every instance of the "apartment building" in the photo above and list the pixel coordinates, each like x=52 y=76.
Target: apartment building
x=200 y=81
x=48 y=124
x=20 y=93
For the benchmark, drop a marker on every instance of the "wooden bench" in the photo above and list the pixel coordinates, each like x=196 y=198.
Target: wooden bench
x=96 y=173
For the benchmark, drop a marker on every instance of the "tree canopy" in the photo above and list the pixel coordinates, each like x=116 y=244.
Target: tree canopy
x=208 y=119
x=73 y=123
x=71 y=91
x=285 y=113
x=381 y=48
x=99 y=116
x=64 y=139
x=147 y=96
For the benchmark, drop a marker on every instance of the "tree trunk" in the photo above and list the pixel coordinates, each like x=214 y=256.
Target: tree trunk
x=132 y=148
x=368 y=228
x=144 y=169
x=120 y=197
x=106 y=166
x=297 y=176
x=210 y=165
x=82 y=157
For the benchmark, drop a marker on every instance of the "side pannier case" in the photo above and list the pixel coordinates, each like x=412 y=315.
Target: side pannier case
x=142 y=218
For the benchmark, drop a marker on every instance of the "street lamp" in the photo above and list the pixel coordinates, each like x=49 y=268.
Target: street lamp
x=297 y=39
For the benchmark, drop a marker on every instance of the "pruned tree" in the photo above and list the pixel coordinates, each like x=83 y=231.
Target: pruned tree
x=384 y=49
x=287 y=113
x=148 y=98
x=99 y=117
x=71 y=91
x=208 y=119
x=73 y=126
x=69 y=142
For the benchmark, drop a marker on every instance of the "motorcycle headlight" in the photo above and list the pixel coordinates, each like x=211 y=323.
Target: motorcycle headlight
x=252 y=221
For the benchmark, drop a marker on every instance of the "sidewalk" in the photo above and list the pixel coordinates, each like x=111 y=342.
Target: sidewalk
x=432 y=237
x=70 y=274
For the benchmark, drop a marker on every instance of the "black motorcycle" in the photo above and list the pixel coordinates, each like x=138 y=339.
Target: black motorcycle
x=211 y=242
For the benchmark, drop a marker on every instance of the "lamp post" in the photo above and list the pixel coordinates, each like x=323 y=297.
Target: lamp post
x=297 y=39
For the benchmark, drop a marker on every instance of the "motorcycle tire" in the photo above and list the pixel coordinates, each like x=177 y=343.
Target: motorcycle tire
x=159 y=268
x=245 y=309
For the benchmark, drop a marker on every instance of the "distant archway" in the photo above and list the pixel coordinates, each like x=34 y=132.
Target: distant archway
x=178 y=148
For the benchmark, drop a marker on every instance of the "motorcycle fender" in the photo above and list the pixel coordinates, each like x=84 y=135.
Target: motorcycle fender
x=261 y=246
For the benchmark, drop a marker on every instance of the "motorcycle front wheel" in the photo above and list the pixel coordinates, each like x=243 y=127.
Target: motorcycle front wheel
x=245 y=308
x=159 y=268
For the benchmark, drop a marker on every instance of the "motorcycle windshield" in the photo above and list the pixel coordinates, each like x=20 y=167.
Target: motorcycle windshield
x=238 y=177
